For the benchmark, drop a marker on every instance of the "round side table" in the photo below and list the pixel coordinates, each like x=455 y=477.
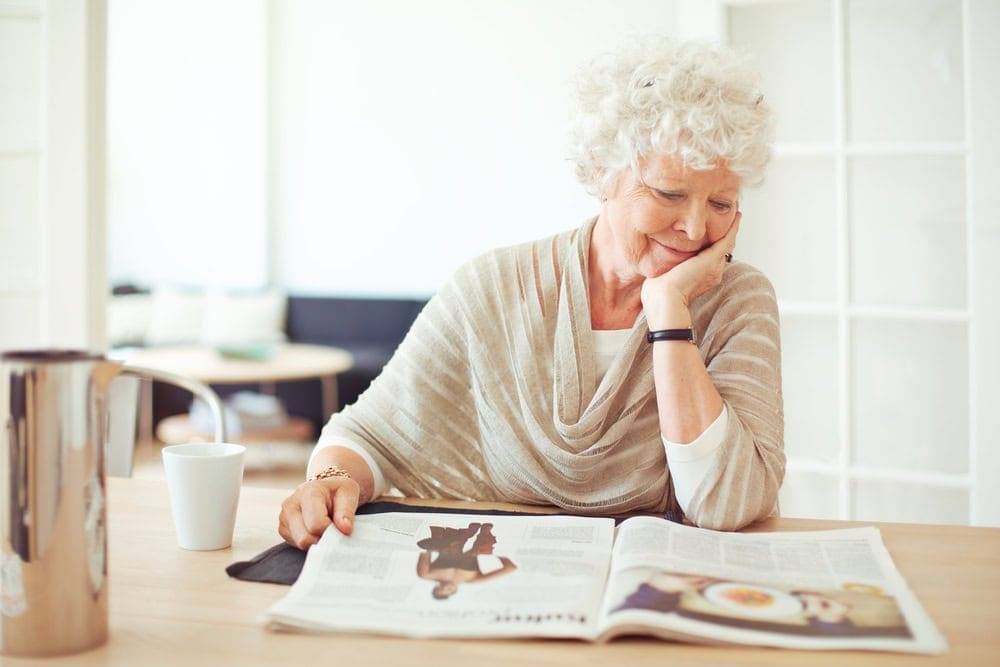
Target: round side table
x=289 y=362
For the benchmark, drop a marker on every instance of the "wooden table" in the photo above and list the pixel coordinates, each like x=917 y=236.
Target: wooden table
x=175 y=607
x=290 y=361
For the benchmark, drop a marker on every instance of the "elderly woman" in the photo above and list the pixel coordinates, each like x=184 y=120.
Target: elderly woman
x=627 y=364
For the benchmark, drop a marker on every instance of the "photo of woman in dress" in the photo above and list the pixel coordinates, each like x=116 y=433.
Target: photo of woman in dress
x=446 y=560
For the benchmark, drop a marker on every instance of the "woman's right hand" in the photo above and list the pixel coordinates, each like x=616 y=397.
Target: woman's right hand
x=309 y=511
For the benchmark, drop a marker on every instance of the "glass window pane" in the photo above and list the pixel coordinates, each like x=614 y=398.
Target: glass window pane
x=908 y=232
x=905 y=70
x=789 y=231
x=799 y=89
x=809 y=495
x=882 y=500
x=911 y=396
x=809 y=363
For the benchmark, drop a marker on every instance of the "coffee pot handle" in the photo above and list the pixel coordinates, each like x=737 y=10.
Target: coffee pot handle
x=196 y=387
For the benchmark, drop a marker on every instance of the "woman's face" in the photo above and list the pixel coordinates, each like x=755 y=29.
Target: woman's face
x=669 y=214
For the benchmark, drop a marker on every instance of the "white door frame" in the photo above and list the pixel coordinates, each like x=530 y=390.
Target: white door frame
x=72 y=165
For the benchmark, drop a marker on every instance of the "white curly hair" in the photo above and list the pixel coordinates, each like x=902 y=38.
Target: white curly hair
x=656 y=95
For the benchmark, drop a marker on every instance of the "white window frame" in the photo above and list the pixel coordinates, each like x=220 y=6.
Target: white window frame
x=707 y=20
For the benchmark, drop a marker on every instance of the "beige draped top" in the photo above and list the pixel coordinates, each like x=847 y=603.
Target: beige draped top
x=493 y=394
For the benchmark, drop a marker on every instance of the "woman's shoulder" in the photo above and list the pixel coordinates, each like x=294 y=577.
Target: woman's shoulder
x=742 y=281
x=744 y=289
x=743 y=302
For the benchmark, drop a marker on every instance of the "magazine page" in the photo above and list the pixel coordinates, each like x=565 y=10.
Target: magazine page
x=457 y=575
x=834 y=589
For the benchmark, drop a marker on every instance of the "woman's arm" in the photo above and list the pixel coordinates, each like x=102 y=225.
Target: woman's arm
x=689 y=463
x=686 y=398
x=424 y=565
x=506 y=566
x=351 y=462
x=315 y=505
x=744 y=375
x=741 y=370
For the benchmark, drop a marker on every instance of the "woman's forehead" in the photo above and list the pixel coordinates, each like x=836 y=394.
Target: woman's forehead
x=669 y=170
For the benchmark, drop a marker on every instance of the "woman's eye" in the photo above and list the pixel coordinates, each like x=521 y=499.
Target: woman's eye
x=722 y=207
x=672 y=196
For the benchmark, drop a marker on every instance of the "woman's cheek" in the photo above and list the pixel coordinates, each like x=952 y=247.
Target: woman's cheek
x=717 y=231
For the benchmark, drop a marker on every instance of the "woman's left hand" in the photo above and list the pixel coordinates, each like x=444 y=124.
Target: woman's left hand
x=663 y=295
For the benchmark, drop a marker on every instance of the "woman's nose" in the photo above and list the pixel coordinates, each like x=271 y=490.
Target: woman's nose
x=693 y=222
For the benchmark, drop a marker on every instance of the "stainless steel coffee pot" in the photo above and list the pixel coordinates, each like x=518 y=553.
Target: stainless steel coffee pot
x=53 y=541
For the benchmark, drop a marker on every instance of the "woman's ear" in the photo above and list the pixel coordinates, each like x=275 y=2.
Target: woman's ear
x=602 y=187
x=610 y=189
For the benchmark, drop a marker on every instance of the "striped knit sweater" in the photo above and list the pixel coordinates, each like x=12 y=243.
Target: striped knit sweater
x=493 y=394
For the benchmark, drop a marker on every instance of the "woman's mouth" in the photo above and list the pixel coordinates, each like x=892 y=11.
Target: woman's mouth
x=680 y=254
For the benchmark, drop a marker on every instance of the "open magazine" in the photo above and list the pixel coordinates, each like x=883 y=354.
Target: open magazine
x=450 y=575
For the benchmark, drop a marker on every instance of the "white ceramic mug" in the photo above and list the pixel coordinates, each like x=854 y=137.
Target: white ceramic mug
x=203 y=481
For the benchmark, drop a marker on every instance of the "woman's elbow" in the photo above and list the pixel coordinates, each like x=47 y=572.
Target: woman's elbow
x=722 y=523
x=728 y=521
x=738 y=514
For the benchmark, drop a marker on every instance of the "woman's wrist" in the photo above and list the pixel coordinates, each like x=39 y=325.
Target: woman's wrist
x=351 y=462
x=669 y=313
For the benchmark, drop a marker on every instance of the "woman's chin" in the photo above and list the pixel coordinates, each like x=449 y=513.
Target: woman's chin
x=657 y=261
x=656 y=269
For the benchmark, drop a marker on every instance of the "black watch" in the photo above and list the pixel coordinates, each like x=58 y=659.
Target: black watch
x=670 y=334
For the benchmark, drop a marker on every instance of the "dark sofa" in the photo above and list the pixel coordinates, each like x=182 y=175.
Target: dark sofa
x=370 y=329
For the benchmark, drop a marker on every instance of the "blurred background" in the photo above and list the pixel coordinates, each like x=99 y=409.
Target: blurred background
x=200 y=184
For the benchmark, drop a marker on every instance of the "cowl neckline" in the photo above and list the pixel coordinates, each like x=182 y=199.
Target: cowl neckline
x=583 y=410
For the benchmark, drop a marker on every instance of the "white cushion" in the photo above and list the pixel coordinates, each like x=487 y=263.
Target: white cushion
x=176 y=317
x=128 y=319
x=243 y=318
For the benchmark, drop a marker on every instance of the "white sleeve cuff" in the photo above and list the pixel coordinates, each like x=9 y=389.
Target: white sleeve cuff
x=689 y=464
x=379 y=485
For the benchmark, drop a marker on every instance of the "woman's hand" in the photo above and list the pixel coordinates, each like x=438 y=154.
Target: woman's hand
x=306 y=514
x=664 y=296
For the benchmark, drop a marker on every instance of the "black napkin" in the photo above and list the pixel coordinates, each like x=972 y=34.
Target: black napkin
x=282 y=563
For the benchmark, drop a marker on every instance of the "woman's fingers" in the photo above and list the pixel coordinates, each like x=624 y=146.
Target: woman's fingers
x=316 y=508
x=300 y=542
x=345 y=504
x=727 y=242
x=307 y=513
x=734 y=230
x=300 y=537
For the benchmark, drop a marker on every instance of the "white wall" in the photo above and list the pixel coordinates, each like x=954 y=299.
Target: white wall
x=343 y=147
x=20 y=130
x=187 y=142
x=984 y=201
x=52 y=242
x=411 y=136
